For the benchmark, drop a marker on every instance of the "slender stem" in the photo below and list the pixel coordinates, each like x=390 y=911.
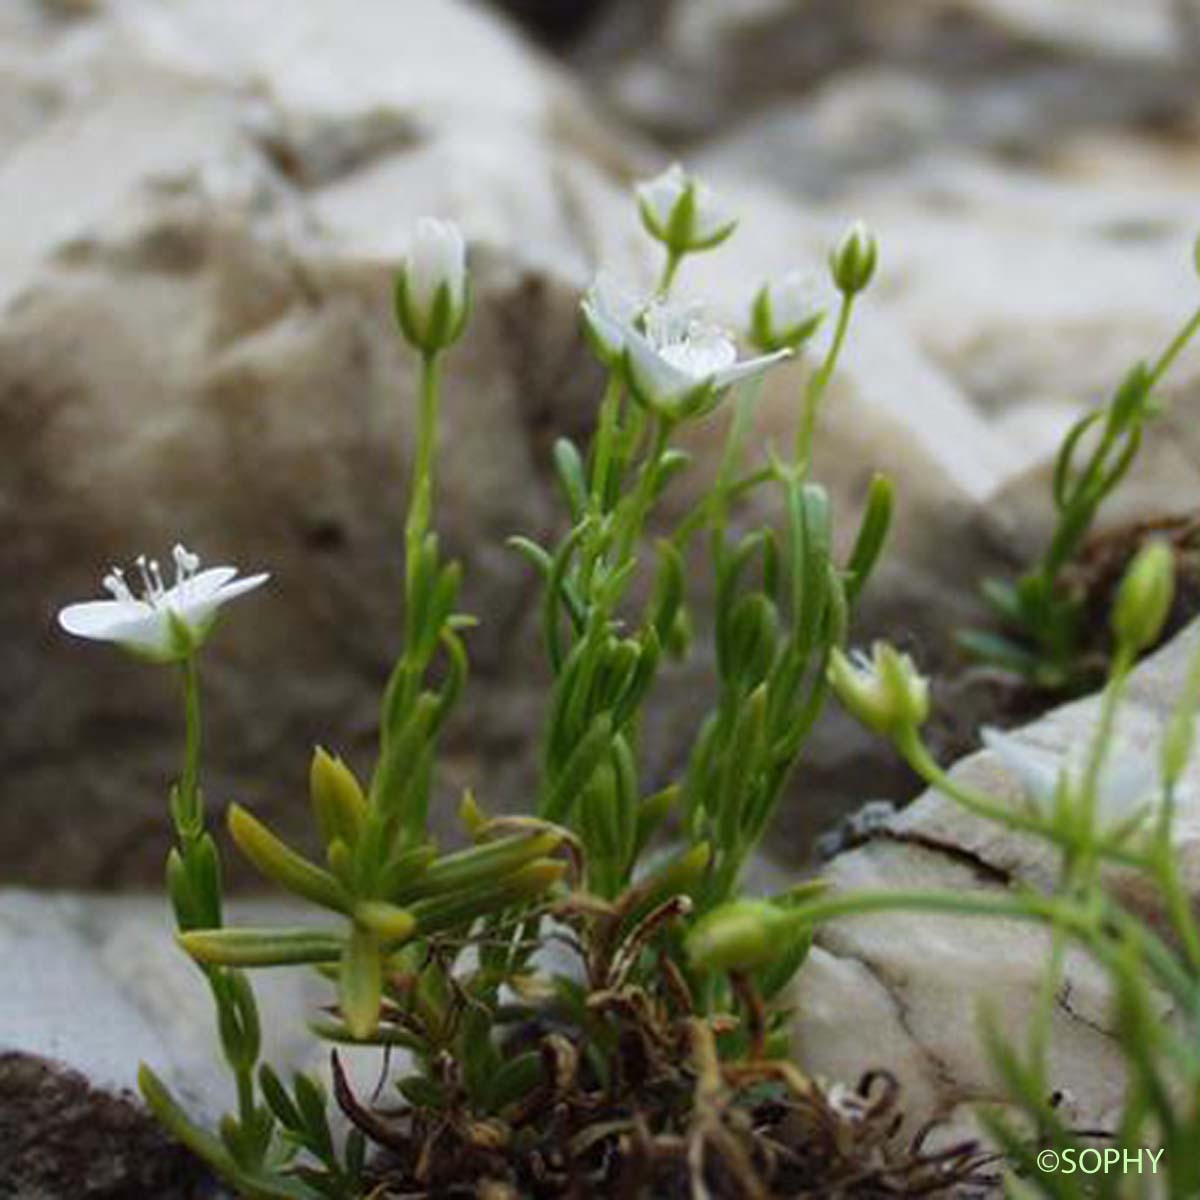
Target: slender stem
x=818 y=384
x=420 y=506
x=1173 y=351
x=917 y=756
x=643 y=496
x=670 y=268
x=756 y=1013
x=1102 y=739
x=605 y=431
x=189 y=822
x=189 y=785
x=1040 y=1027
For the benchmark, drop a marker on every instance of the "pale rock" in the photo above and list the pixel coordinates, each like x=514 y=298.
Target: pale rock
x=708 y=64
x=932 y=978
x=144 y=1000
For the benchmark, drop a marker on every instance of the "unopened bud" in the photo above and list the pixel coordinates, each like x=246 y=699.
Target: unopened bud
x=741 y=935
x=885 y=692
x=785 y=314
x=682 y=213
x=432 y=299
x=854 y=259
x=1144 y=597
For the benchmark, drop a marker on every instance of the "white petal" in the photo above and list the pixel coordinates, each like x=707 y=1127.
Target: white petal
x=653 y=374
x=712 y=218
x=661 y=194
x=1128 y=781
x=437 y=257
x=197 y=611
x=200 y=586
x=702 y=355
x=750 y=367
x=1037 y=771
x=97 y=618
x=127 y=623
x=610 y=310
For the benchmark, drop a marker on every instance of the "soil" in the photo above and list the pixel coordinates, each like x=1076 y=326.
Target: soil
x=981 y=696
x=62 y=1139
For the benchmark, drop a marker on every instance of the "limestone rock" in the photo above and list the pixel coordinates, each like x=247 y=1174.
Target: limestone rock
x=93 y=987
x=906 y=991
x=708 y=66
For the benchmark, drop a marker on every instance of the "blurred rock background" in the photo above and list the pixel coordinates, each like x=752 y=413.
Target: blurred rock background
x=204 y=202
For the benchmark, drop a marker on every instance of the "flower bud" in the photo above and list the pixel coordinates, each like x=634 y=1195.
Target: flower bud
x=682 y=213
x=854 y=259
x=741 y=935
x=1144 y=597
x=885 y=692
x=432 y=300
x=785 y=314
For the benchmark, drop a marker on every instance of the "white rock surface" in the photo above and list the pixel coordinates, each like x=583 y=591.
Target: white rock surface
x=907 y=991
x=99 y=985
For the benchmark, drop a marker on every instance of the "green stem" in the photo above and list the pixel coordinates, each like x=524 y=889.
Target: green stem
x=670 y=269
x=917 y=756
x=420 y=506
x=1101 y=743
x=605 y=431
x=1173 y=351
x=189 y=826
x=190 y=817
x=1087 y=925
x=818 y=384
x=643 y=496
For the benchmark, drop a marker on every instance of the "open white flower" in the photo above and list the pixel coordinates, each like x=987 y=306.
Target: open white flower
x=609 y=312
x=431 y=293
x=682 y=213
x=1128 y=783
x=164 y=624
x=681 y=364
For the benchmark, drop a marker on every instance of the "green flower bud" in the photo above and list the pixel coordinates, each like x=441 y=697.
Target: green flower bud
x=432 y=288
x=854 y=259
x=741 y=935
x=885 y=692
x=1144 y=597
x=785 y=314
x=682 y=213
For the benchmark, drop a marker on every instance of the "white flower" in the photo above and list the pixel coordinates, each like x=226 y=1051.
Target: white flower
x=682 y=213
x=786 y=312
x=431 y=295
x=609 y=312
x=679 y=363
x=165 y=624
x=1128 y=783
